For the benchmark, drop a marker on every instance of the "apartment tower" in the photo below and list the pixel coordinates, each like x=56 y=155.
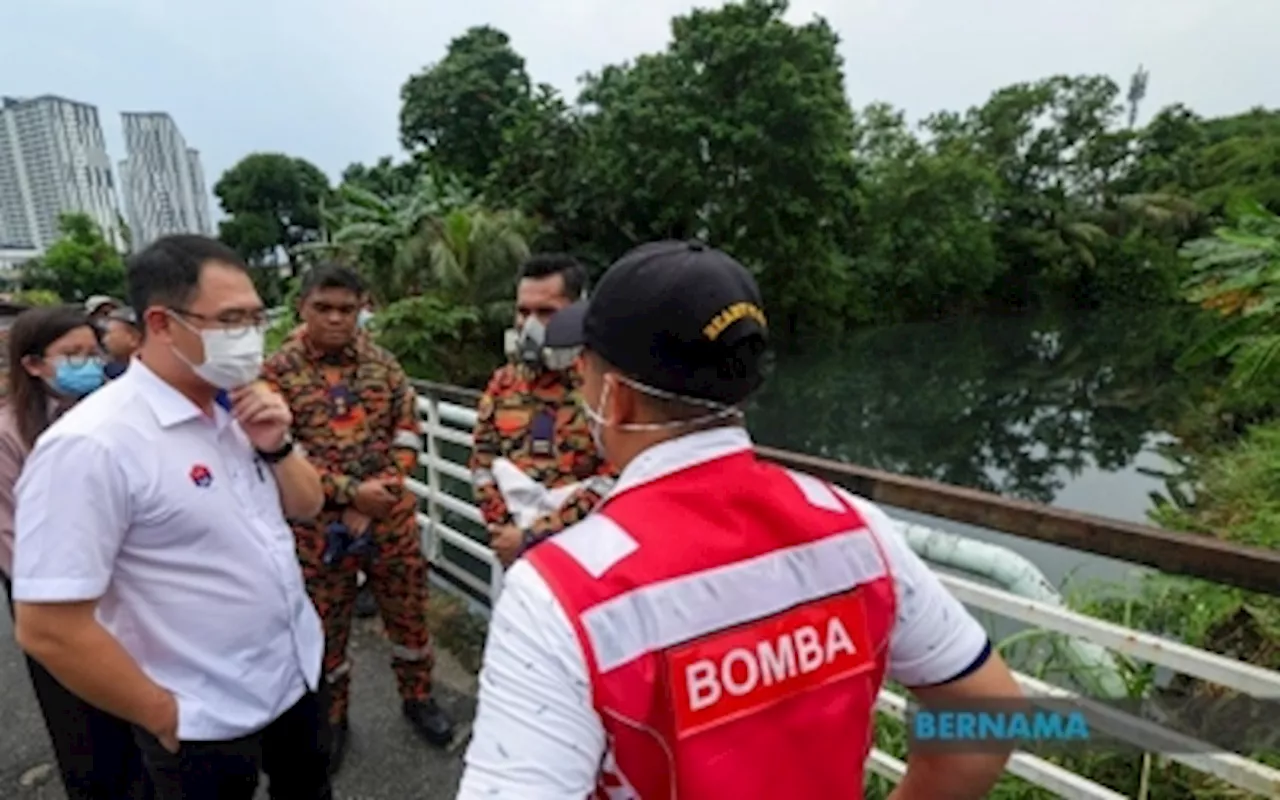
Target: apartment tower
x=162 y=180
x=53 y=160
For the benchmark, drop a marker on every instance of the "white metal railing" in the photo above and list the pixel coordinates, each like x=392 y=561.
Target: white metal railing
x=451 y=424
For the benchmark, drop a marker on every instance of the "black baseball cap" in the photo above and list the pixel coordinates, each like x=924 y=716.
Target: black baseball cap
x=678 y=316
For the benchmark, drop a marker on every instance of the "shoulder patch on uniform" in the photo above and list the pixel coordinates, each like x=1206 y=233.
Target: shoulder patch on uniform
x=597 y=543
x=817 y=492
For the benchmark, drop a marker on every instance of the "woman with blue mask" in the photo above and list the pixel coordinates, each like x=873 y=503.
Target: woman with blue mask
x=53 y=362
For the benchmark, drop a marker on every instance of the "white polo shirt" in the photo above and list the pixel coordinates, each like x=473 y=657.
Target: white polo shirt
x=139 y=499
x=537 y=735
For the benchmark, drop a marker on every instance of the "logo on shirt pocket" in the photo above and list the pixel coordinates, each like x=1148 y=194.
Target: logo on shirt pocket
x=201 y=476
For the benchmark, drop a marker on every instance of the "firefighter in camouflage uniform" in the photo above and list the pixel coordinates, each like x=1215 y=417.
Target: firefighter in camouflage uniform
x=354 y=414
x=530 y=415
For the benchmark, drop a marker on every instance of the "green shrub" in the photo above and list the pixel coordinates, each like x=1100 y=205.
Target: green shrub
x=38 y=297
x=436 y=340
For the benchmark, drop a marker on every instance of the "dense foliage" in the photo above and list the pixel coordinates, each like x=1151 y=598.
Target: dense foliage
x=740 y=132
x=79 y=264
x=273 y=205
x=1236 y=273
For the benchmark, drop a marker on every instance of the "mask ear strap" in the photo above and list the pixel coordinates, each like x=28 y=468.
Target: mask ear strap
x=605 y=388
x=716 y=410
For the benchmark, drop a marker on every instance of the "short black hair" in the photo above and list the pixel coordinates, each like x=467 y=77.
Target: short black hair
x=331 y=276
x=167 y=271
x=544 y=265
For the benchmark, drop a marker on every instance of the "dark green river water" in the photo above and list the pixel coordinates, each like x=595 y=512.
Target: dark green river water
x=1068 y=410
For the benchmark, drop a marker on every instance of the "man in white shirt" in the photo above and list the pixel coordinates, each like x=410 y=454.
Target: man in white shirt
x=599 y=671
x=155 y=573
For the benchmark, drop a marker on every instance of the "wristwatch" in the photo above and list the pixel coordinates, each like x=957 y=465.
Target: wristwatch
x=276 y=456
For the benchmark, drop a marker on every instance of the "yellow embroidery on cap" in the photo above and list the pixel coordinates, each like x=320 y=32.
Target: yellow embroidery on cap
x=730 y=315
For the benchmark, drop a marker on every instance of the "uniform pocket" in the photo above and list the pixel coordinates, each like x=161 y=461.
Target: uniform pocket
x=512 y=422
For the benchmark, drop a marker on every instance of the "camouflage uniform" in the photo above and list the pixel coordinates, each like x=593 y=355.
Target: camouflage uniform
x=354 y=414
x=534 y=420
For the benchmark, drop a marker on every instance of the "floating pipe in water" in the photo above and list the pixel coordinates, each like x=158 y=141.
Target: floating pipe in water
x=1092 y=663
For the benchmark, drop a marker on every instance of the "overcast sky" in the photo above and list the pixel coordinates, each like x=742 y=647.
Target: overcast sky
x=321 y=78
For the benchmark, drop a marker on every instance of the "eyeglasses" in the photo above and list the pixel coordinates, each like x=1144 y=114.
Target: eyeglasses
x=76 y=359
x=235 y=322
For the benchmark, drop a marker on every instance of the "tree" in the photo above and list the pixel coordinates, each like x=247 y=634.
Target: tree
x=927 y=232
x=1214 y=161
x=384 y=178
x=437 y=340
x=1241 y=161
x=738 y=133
x=474 y=256
x=274 y=205
x=547 y=169
x=1057 y=148
x=1236 y=273
x=443 y=265
x=388 y=237
x=456 y=111
x=79 y=264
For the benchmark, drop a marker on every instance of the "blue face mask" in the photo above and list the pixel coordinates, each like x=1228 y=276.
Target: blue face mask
x=364 y=318
x=77 y=380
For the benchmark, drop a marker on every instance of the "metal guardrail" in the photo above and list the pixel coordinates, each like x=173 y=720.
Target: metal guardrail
x=448 y=423
x=1173 y=552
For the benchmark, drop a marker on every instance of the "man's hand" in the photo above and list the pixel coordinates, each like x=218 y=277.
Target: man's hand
x=263 y=415
x=375 y=498
x=356 y=522
x=162 y=721
x=506 y=541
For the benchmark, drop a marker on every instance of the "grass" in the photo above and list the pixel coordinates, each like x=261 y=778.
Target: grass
x=456 y=629
x=1238 y=499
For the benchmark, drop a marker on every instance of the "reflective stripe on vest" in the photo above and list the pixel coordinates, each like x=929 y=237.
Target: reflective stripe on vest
x=735 y=620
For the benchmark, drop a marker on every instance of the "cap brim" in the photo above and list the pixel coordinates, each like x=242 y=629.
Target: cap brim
x=565 y=328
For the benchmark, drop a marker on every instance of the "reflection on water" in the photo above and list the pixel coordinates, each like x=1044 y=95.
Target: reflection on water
x=1064 y=411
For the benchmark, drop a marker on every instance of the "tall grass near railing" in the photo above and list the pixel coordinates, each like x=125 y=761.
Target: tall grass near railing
x=1152 y=606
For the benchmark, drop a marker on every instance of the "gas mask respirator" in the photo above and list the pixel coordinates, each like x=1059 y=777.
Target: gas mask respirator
x=527 y=345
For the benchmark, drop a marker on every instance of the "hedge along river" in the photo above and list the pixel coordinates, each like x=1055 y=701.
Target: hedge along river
x=1070 y=410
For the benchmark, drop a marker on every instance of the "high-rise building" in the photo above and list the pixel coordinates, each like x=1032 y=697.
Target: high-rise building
x=53 y=160
x=162 y=180
x=204 y=222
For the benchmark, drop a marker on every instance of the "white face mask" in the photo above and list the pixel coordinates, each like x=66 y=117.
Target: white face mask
x=232 y=357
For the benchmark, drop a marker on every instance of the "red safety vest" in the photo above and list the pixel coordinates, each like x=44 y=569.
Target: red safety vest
x=737 y=649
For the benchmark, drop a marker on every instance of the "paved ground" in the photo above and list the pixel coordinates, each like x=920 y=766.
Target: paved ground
x=385 y=760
